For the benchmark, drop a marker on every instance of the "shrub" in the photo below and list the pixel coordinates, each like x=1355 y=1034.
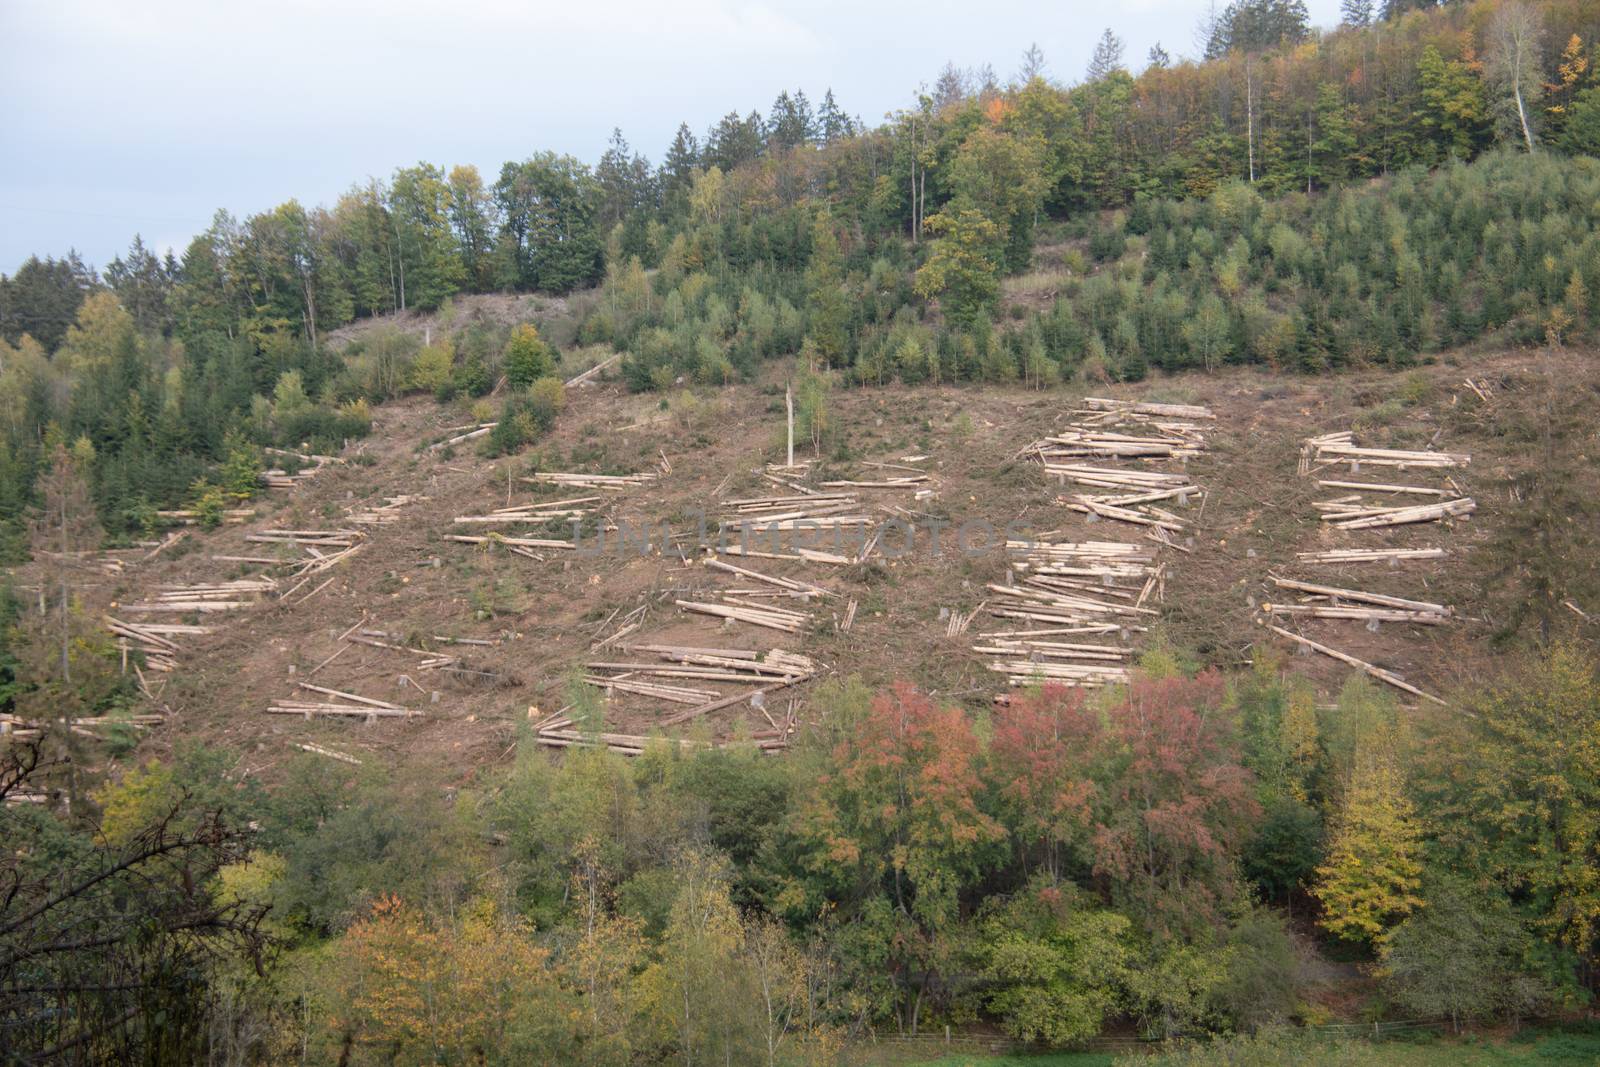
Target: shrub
x=527 y=357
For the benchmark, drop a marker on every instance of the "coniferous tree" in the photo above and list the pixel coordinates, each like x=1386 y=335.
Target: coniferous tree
x=678 y=167
x=833 y=125
x=1257 y=25
x=1107 y=56
x=1357 y=12
x=1032 y=65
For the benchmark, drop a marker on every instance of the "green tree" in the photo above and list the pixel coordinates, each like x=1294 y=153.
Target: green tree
x=1455 y=106
x=1004 y=176
x=827 y=304
x=1464 y=955
x=963 y=267
x=526 y=358
x=548 y=231
x=1056 y=963
x=420 y=203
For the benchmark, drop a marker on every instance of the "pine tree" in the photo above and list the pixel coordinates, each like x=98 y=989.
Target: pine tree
x=527 y=357
x=1357 y=12
x=826 y=304
x=1257 y=25
x=677 y=169
x=1107 y=56
x=832 y=123
x=1033 y=64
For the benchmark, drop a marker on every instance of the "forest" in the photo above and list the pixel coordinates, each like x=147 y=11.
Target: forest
x=1174 y=859
x=1135 y=859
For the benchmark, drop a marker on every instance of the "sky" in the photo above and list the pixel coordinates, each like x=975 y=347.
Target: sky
x=147 y=116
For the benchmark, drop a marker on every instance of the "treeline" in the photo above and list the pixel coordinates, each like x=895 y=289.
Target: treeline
x=1166 y=856
x=1275 y=104
x=1505 y=248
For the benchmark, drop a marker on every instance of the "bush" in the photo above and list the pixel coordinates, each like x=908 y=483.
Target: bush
x=527 y=357
x=430 y=371
x=546 y=398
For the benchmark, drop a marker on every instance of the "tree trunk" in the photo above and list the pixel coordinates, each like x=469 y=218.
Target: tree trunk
x=1250 y=119
x=1522 y=112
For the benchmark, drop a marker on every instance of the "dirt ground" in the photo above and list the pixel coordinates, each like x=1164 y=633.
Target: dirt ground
x=408 y=580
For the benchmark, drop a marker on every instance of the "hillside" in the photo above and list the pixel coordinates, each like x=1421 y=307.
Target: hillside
x=1081 y=565
x=1255 y=517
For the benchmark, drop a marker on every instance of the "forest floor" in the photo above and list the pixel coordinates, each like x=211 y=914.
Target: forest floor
x=408 y=580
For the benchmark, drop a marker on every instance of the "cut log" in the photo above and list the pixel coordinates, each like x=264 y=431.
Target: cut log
x=1344 y=657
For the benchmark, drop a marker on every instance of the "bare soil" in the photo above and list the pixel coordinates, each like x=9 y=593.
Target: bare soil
x=408 y=580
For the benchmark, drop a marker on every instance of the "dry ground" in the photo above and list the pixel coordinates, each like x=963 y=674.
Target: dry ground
x=409 y=580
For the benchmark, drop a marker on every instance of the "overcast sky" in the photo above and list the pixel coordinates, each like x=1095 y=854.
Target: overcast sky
x=125 y=116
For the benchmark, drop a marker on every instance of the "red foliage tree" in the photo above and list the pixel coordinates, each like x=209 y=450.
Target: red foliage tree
x=1175 y=805
x=1043 y=756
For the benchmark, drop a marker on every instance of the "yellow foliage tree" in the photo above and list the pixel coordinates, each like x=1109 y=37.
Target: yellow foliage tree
x=448 y=992
x=1373 y=870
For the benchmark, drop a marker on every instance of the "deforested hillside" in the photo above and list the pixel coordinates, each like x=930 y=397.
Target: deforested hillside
x=1102 y=570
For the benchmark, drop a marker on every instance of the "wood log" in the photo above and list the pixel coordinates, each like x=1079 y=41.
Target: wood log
x=1381 y=599
x=1344 y=657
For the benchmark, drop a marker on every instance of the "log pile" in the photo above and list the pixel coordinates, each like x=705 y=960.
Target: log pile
x=430 y=660
x=1371 y=555
x=1332 y=602
x=766 y=615
x=1066 y=590
x=911 y=481
x=609 y=482
x=1130 y=495
x=385 y=513
x=522 y=546
x=279 y=478
x=1061 y=593
x=152 y=640
x=1349 y=514
x=789 y=585
x=342 y=704
x=1166 y=441
x=1140 y=407
x=230 y=516
x=808 y=511
x=1369 y=505
x=470 y=432
x=205 y=599
x=533 y=514
x=561 y=731
x=1334 y=448
x=676 y=674
x=324 y=549
x=17 y=728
